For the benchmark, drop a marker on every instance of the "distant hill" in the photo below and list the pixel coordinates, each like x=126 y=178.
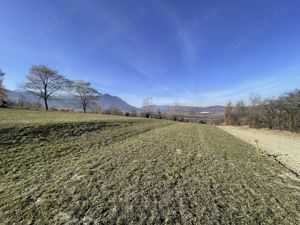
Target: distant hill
x=189 y=109
x=106 y=101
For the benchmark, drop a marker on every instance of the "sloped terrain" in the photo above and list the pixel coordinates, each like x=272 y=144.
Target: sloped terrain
x=95 y=169
x=283 y=145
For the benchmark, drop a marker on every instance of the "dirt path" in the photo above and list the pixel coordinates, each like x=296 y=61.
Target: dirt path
x=285 y=146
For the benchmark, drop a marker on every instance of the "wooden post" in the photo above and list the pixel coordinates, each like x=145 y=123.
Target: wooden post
x=258 y=147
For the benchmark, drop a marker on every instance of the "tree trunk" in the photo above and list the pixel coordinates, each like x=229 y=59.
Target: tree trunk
x=46 y=104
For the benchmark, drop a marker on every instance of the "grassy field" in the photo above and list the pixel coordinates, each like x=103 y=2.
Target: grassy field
x=59 y=168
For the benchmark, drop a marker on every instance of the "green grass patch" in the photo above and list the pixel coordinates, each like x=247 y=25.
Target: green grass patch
x=73 y=168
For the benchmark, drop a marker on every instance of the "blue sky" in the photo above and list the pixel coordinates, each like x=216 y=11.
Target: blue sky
x=195 y=52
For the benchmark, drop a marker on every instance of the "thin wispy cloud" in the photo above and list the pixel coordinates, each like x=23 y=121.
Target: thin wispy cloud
x=269 y=86
x=166 y=50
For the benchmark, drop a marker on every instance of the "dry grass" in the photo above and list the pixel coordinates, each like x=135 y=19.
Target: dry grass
x=73 y=168
x=283 y=145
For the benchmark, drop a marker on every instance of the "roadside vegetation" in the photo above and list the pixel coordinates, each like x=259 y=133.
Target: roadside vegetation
x=282 y=113
x=59 y=168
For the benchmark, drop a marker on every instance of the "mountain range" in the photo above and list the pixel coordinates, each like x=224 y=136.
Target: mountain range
x=107 y=101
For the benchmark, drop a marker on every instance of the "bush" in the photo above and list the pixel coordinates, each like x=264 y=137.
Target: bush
x=67 y=110
x=282 y=113
x=113 y=111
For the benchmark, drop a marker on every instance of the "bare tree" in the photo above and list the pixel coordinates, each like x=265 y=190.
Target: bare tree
x=174 y=111
x=240 y=113
x=3 y=92
x=272 y=113
x=228 y=113
x=147 y=107
x=158 y=114
x=193 y=110
x=236 y=115
x=21 y=101
x=255 y=111
x=84 y=93
x=176 y=107
x=291 y=105
x=281 y=113
x=45 y=82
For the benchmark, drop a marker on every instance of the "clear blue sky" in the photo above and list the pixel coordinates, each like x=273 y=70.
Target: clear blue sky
x=195 y=52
